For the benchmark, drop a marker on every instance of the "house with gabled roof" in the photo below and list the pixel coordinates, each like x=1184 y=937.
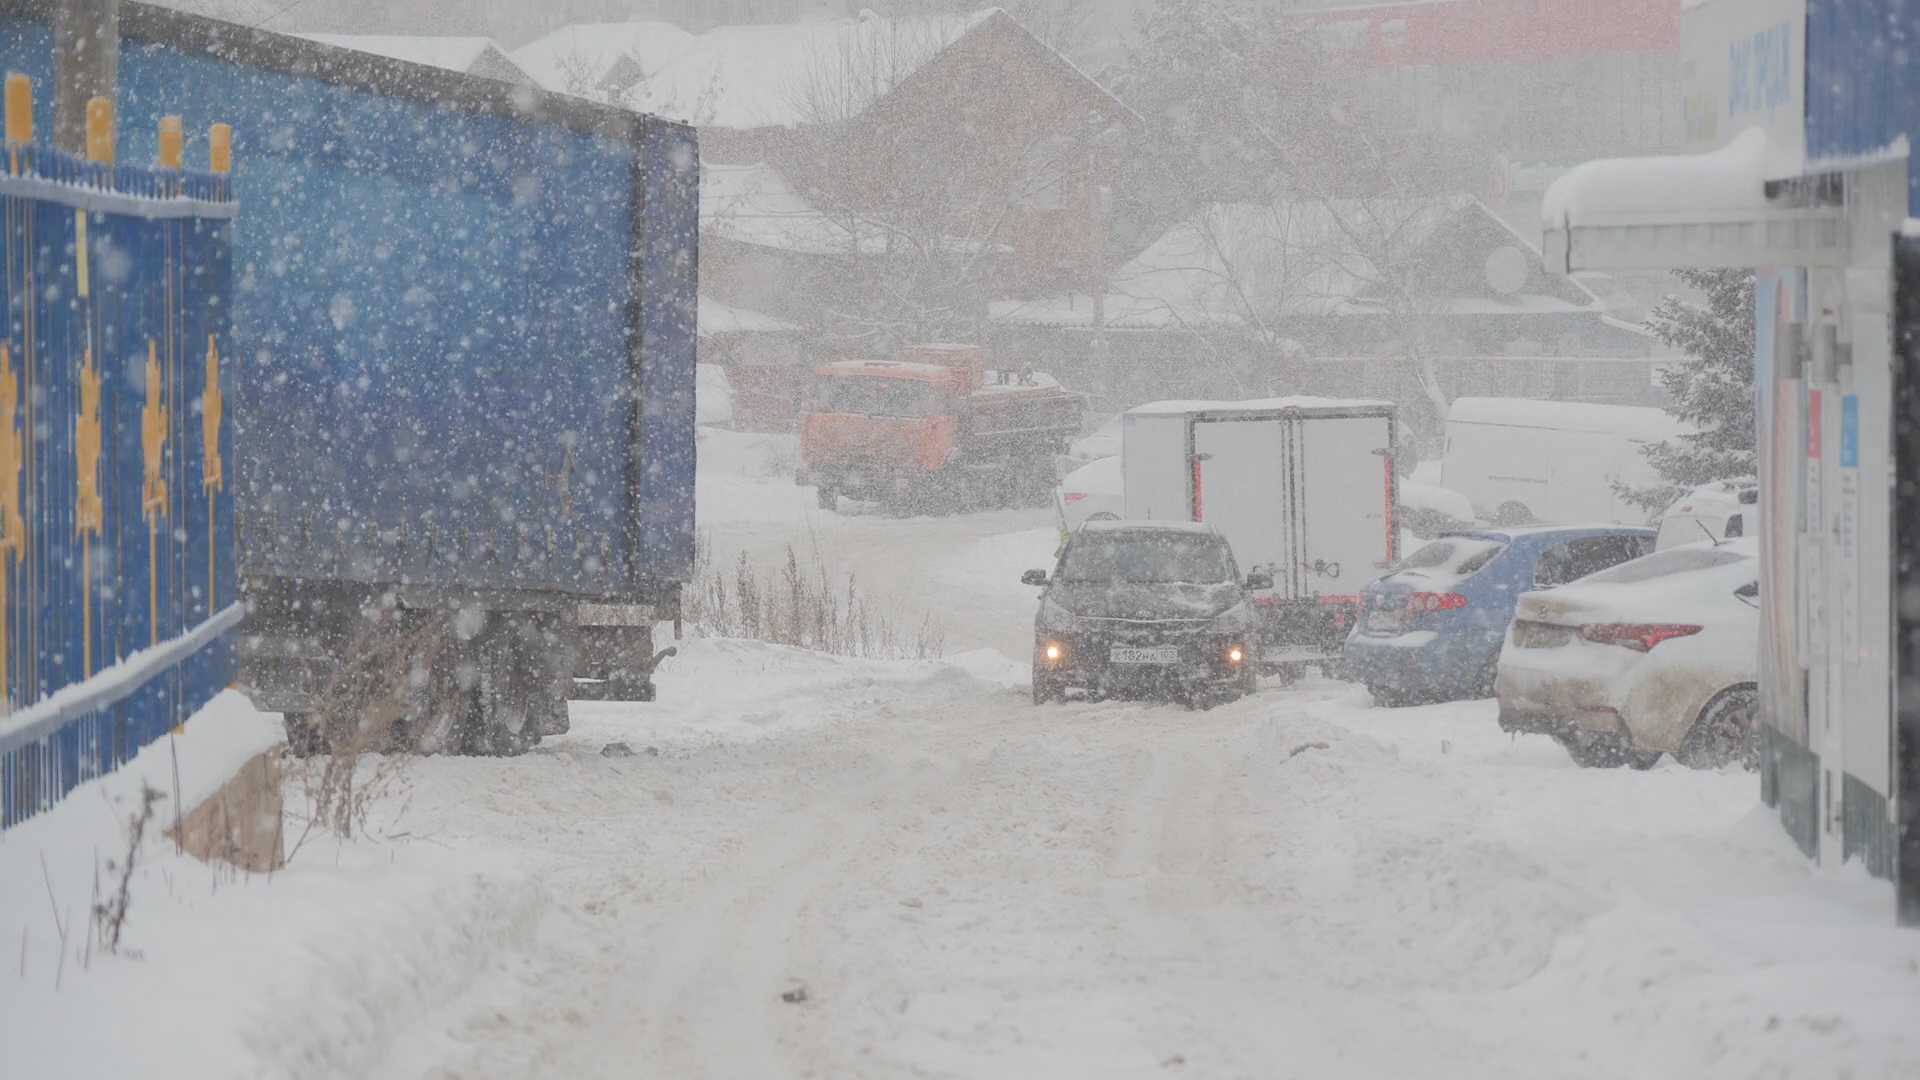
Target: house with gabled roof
x=875 y=181
x=1340 y=297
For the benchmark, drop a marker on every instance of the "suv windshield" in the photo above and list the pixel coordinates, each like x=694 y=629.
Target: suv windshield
x=1147 y=558
x=868 y=395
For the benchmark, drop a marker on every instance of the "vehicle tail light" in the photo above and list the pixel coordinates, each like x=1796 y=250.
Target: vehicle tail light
x=1075 y=496
x=1421 y=603
x=1640 y=637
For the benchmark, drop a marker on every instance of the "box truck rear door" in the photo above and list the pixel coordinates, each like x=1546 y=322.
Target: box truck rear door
x=1346 y=495
x=1236 y=486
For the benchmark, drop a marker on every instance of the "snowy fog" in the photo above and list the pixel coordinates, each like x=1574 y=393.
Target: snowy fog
x=1080 y=538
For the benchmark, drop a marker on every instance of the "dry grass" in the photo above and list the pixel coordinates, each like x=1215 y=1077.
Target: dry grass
x=398 y=691
x=805 y=606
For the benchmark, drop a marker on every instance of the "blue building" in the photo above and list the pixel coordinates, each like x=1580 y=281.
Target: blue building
x=1801 y=118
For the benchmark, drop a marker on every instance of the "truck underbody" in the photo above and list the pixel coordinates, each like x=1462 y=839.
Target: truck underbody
x=957 y=488
x=368 y=666
x=1295 y=633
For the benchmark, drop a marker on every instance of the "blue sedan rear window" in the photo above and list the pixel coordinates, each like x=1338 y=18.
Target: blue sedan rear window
x=1450 y=559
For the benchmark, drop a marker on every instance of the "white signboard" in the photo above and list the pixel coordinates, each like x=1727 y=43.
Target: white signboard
x=1744 y=64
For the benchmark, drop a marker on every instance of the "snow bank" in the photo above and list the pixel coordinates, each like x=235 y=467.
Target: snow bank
x=1731 y=178
x=713 y=396
x=315 y=971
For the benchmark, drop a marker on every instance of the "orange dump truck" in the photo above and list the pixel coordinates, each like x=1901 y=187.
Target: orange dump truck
x=936 y=430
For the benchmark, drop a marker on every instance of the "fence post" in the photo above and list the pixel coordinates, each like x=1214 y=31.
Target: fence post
x=86 y=65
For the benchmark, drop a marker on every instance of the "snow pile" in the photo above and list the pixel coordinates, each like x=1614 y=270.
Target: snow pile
x=1732 y=178
x=319 y=970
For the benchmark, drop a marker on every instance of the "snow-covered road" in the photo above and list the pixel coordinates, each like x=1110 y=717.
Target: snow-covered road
x=954 y=883
x=1293 y=885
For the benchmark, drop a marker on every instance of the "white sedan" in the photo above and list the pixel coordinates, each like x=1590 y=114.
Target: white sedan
x=1655 y=655
x=1091 y=492
x=1103 y=442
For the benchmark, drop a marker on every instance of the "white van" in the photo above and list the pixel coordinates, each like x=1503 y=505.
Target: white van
x=1520 y=461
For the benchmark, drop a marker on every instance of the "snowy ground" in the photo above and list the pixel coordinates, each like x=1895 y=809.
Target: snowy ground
x=952 y=882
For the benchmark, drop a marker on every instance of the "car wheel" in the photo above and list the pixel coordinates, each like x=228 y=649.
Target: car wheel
x=1388 y=697
x=1724 y=732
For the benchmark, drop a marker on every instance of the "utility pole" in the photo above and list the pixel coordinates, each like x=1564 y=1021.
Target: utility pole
x=86 y=64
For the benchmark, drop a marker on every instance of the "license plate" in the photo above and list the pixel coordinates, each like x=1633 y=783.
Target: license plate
x=1385 y=621
x=1133 y=654
x=1539 y=635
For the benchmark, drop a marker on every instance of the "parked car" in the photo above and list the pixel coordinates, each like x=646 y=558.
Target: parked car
x=1156 y=608
x=1427 y=510
x=1091 y=492
x=1102 y=442
x=1523 y=461
x=1656 y=655
x=1430 y=630
x=1724 y=510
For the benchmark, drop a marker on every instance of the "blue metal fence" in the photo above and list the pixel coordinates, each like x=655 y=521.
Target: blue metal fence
x=117 y=581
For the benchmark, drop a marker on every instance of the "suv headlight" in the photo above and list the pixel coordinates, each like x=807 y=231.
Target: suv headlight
x=1055 y=618
x=1237 y=619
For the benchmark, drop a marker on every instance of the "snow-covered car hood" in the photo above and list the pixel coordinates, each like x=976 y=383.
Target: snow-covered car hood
x=1131 y=600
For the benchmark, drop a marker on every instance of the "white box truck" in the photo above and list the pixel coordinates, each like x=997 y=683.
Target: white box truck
x=1302 y=487
x=1521 y=461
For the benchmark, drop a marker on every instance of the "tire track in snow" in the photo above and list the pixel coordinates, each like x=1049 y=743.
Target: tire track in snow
x=714 y=990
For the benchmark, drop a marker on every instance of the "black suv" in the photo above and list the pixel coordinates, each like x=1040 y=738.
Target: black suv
x=1144 y=608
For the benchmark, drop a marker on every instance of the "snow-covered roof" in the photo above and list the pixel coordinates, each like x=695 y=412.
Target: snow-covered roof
x=579 y=59
x=756 y=76
x=754 y=204
x=749 y=76
x=1235 y=262
x=1255 y=405
x=1632 y=420
x=474 y=55
x=1732 y=178
x=713 y=317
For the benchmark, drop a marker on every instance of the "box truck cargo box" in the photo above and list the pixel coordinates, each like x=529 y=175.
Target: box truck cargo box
x=1301 y=487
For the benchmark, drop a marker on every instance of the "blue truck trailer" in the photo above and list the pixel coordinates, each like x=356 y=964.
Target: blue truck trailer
x=463 y=325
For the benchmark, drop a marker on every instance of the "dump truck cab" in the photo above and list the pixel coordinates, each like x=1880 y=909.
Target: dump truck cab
x=935 y=430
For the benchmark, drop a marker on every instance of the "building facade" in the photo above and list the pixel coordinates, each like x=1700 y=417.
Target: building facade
x=1804 y=114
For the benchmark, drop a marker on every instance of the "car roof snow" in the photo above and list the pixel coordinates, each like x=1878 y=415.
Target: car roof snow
x=1523 y=531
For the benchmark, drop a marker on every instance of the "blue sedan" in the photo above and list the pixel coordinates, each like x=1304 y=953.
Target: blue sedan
x=1430 y=630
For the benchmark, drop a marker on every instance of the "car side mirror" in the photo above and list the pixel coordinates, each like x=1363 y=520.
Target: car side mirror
x=1034 y=577
x=1749 y=594
x=1259 y=579
x=1736 y=527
